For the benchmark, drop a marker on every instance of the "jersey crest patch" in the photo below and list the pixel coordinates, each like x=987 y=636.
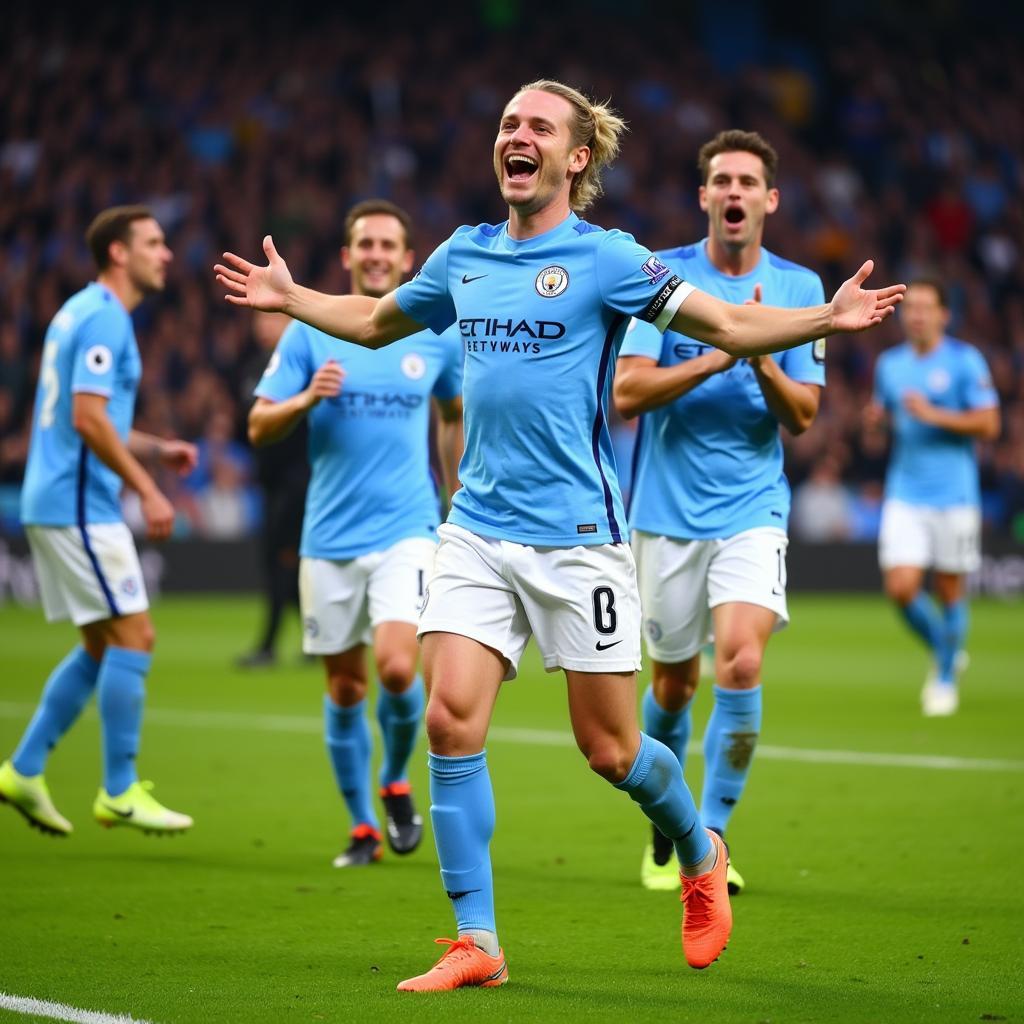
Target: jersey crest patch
x=939 y=380
x=552 y=281
x=99 y=359
x=655 y=270
x=413 y=365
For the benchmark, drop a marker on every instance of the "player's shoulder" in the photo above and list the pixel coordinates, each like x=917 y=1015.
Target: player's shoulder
x=91 y=302
x=788 y=268
x=681 y=253
x=961 y=349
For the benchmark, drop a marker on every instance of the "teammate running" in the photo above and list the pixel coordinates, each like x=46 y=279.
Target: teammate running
x=710 y=502
x=534 y=541
x=368 y=536
x=938 y=394
x=82 y=451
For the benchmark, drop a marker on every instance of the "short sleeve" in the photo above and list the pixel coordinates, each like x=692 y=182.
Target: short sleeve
x=806 y=363
x=100 y=339
x=642 y=339
x=290 y=368
x=449 y=381
x=427 y=298
x=633 y=280
x=979 y=391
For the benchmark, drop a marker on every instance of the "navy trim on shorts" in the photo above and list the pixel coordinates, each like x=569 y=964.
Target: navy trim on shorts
x=84 y=533
x=599 y=423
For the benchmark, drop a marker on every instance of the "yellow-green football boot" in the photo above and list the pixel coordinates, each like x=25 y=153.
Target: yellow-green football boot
x=659 y=870
x=29 y=795
x=137 y=808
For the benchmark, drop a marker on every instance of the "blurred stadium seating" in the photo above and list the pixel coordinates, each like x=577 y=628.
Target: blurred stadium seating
x=899 y=133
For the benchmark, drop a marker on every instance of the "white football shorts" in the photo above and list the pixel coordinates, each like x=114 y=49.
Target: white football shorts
x=682 y=580
x=580 y=603
x=87 y=574
x=946 y=539
x=342 y=602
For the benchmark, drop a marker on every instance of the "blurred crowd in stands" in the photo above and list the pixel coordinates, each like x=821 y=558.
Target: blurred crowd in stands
x=896 y=143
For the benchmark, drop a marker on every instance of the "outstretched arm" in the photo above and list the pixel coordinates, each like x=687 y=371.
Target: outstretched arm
x=752 y=330
x=371 y=323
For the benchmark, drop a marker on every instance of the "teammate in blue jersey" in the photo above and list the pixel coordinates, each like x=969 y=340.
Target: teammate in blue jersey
x=82 y=451
x=368 y=536
x=534 y=542
x=710 y=503
x=937 y=394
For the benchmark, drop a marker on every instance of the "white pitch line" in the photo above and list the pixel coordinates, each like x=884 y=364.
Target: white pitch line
x=61 y=1011
x=311 y=725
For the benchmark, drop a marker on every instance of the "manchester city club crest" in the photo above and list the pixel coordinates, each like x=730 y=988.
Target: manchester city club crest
x=413 y=366
x=552 y=281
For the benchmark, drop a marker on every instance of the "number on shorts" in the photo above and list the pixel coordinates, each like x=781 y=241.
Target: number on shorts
x=51 y=384
x=605 y=616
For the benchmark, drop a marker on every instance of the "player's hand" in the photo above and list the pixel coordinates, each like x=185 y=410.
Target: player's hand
x=918 y=406
x=873 y=415
x=720 y=361
x=159 y=515
x=180 y=456
x=755 y=361
x=264 y=288
x=326 y=382
x=856 y=309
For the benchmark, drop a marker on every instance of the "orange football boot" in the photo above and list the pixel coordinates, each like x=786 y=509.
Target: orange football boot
x=462 y=965
x=707 y=916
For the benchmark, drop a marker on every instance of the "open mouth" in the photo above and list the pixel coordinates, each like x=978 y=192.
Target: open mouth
x=735 y=215
x=520 y=167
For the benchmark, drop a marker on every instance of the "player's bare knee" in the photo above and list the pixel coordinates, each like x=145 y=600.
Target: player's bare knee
x=674 y=689
x=345 y=689
x=448 y=730
x=609 y=759
x=741 y=670
x=396 y=671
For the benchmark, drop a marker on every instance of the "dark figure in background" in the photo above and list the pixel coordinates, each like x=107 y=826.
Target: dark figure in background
x=283 y=473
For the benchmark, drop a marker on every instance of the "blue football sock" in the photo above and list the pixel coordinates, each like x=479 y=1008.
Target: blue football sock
x=729 y=744
x=66 y=692
x=120 y=690
x=923 y=618
x=954 y=632
x=462 y=813
x=347 y=733
x=399 y=715
x=655 y=782
x=669 y=727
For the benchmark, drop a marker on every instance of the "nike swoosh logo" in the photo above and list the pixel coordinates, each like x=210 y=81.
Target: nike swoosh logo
x=466 y=280
x=604 y=647
x=120 y=814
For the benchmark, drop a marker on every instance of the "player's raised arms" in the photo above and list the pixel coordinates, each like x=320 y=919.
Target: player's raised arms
x=756 y=329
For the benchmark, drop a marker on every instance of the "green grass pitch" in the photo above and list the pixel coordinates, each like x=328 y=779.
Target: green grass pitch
x=881 y=892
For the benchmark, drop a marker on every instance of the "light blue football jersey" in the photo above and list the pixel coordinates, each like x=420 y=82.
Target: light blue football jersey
x=929 y=465
x=709 y=464
x=371 y=484
x=89 y=347
x=541 y=321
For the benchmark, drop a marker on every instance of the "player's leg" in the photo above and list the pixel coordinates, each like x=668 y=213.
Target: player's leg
x=957 y=541
x=127 y=643
x=747 y=592
x=673 y=592
x=473 y=632
x=349 y=749
x=904 y=553
x=730 y=738
x=602 y=709
x=336 y=627
x=395 y=594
